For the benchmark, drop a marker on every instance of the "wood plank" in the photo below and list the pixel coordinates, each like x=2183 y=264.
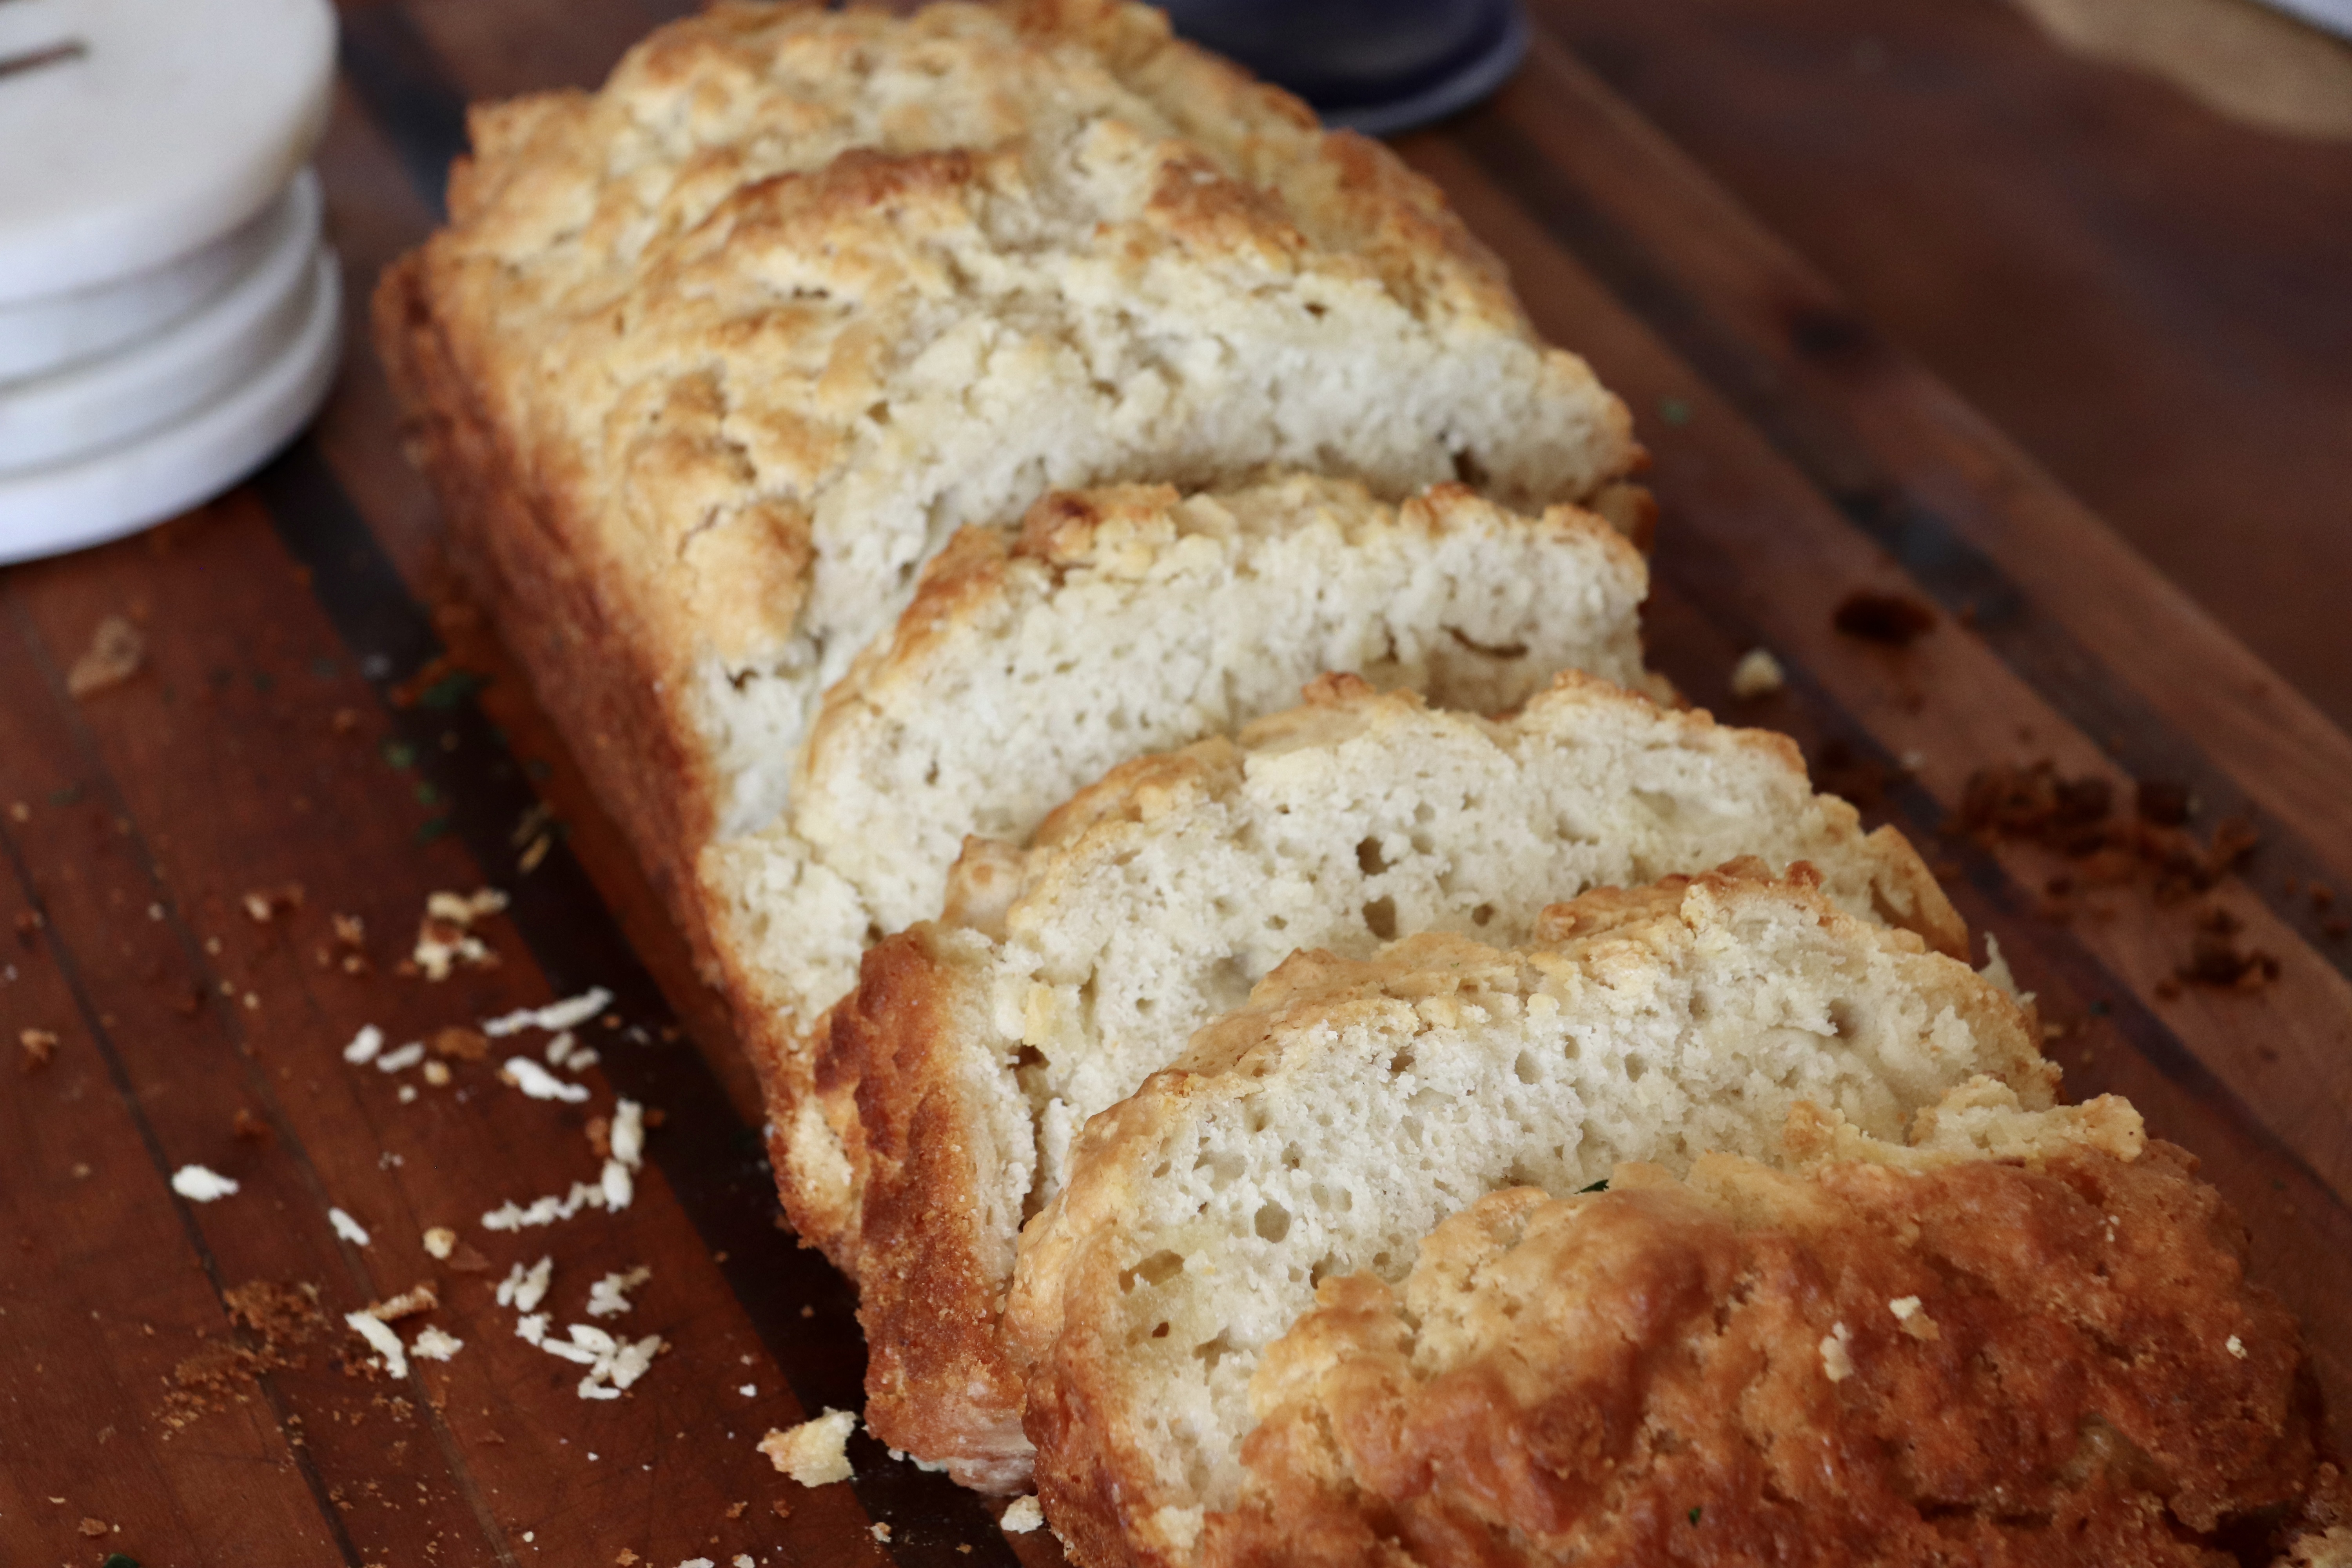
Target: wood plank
x=84 y=1422
x=2142 y=294
x=1874 y=428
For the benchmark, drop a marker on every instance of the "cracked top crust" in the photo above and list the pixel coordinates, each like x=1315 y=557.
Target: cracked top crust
x=801 y=291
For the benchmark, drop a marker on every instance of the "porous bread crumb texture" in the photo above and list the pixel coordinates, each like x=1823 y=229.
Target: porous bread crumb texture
x=1325 y=1129
x=815 y=1453
x=1628 y=1376
x=964 y=1067
x=757 y=327
x=1125 y=620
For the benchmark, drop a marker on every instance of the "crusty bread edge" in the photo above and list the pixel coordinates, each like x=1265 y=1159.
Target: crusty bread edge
x=621 y=711
x=938 y=1382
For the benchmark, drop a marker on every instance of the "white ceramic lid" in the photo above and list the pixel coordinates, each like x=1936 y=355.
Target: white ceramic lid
x=104 y=402
x=105 y=495
x=153 y=128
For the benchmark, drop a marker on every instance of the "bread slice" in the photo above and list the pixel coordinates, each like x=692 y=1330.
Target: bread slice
x=707 y=363
x=2033 y=1340
x=1326 y=1128
x=950 y=1086
x=1116 y=622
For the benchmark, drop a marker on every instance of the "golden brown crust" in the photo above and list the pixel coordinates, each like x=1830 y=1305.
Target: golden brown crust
x=533 y=570
x=1981 y=1362
x=937 y=1382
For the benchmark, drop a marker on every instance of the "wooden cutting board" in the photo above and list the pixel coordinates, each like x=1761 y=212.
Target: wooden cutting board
x=313 y=708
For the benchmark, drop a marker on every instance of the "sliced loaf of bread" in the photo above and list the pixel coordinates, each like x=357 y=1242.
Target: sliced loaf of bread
x=1117 y=622
x=950 y=1086
x=707 y=363
x=1325 y=1129
x=2028 y=1338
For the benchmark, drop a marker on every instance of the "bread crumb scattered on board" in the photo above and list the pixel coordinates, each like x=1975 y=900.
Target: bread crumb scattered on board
x=440 y=1241
x=1757 y=674
x=38 y=1045
x=199 y=1185
x=1022 y=1515
x=348 y=1228
x=814 y=1453
x=117 y=649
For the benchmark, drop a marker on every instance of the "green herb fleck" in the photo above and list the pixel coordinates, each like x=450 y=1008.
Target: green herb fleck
x=450 y=690
x=1675 y=411
x=427 y=795
x=118 y=1559
x=1694 y=1513
x=399 y=754
x=434 y=829
x=1600 y=1186
x=65 y=797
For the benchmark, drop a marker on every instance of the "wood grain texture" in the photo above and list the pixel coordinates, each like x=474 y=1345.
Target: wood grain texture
x=277 y=734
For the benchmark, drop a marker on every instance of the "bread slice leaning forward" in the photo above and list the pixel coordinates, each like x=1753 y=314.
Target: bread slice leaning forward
x=1324 y=1130
x=949 y=1088
x=1117 y=622
x=2025 y=1336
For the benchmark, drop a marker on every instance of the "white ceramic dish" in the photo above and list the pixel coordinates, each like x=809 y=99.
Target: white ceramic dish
x=149 y=129
x=38 y=336
x=111 y=493
x=149 y=383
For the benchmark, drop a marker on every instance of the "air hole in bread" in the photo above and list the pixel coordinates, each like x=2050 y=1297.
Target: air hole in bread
x=1379 y=919
x=1481 y=914
x=1842 y=1023
x=1272 y=1222
x=1369 y=859
x=1157 y=1270
x=1469 y=469
x=1400 y=1063
x=1210 y=1353
x=1524 y=1068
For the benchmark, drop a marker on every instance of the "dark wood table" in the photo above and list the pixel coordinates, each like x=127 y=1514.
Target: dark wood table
x=318 y=708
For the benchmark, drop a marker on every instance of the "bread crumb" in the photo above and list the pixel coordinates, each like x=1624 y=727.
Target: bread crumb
x=523 y=1289
x=1836 y=1365
x=737 y=1510
x=627 y=1559
x=1022 y=1515
x=199 y=1185
x=116 y=651
x=92 y=1527
x=555 y=1016
x=364 y=1046
x=1915 y=1323
x=347 y=1227
x=38 y=1045
x=460 y=1044
x=437 y=1074
x=2236 y=1347
x=380 y=1338
x=401 y=1059
x=418 y=1297
x=541 y=1084
x=813 y=1453
x=881 y=1531
x=1757 y=674
x=435 y=1344
x=440 y=1241
x=609 y=1297
x=445 y=937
